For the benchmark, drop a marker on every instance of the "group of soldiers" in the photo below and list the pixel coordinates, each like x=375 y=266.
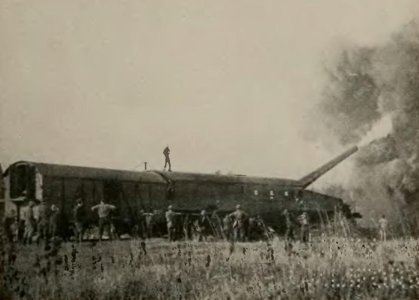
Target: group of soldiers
x=40 y=222
x=40 y=226
x=234 y=226
x=80 y=218
x=237 y=225
x=199 y=225
x=291 y=225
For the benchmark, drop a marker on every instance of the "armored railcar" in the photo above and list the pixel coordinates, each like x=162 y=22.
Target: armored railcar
x=153 y=191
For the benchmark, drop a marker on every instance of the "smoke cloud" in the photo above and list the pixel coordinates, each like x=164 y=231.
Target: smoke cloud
x=372 y=100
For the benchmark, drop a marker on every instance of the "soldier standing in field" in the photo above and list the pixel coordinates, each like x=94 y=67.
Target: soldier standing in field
x=382 y=223
x=203 y=226
x=29 y=221
x=105 y=221
x=149 y=223
x=43 y=220
x=253 y=230
x=170 y=215
x=10 y=225
x=166 y=153
x=227 y=227
x=79 y=214
x=142 y=225
x=239 y=217
x=216 y=222
x=53 y=220
x=289 y=226
x=304 y=227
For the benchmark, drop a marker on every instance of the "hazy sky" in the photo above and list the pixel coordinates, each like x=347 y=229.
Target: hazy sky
x=229 y=85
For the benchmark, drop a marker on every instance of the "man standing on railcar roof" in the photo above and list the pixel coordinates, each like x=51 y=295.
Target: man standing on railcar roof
x=104 y=211
x=166 y=153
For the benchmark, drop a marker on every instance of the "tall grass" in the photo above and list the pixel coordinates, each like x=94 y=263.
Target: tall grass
x=327 y=268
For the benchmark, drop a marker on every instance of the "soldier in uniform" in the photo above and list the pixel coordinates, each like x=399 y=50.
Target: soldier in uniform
x=382 y=223
x=166 y=153
x=253 y=230
x=239 y=217
x=227 y=227
x=43 y=220
x=53 y=220
x=204 y=226
x=257 y=228
x=149 y=222
x=11 y=225
x=289 y=225
x=187 y=227
x=216 y=222
x=79 y=214
x=142 y=226
x=105 y=221
x=170 y=216
x=304 y=227
x=29 y=221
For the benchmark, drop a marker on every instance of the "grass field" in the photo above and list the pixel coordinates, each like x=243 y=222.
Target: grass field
x=329 y=268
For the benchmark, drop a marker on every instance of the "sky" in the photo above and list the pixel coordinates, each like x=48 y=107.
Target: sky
x=228 y=85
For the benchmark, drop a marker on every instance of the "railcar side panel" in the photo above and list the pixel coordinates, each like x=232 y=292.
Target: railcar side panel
x=158 y=196
x=144 y=196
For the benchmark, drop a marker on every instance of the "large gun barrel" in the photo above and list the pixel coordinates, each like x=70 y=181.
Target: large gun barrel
x=313 y=176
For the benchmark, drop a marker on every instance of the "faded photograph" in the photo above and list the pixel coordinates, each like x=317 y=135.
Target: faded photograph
x=209 y=149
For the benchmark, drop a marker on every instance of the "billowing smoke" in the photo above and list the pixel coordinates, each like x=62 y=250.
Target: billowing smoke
x=372 y=100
